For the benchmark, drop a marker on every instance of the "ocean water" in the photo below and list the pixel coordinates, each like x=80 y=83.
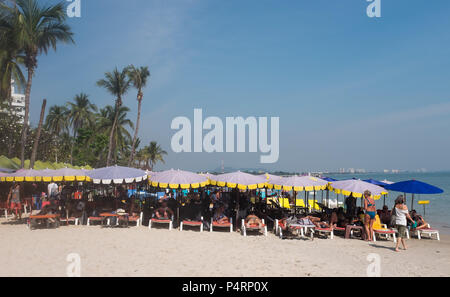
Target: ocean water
x=437 y=213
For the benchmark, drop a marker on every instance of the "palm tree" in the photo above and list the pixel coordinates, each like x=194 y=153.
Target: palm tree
x=56 y=121
x=153 y=154
x=121 y=136
x=39 y=28
x=11 y=56
x=138 y=77
x=81 y=112
x=117 y=84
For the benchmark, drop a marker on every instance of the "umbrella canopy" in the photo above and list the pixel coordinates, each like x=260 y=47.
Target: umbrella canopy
x=68 y=174
x=211 y=178
x=117 y=175
x=414 y=187
x=299 y=183
x=241 y=180
x=329 y=179
x=375 y=182
x=29 y=175
x=176 y=179
x=356 y=188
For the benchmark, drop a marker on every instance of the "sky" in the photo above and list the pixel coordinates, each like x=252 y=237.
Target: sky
x=350 y=91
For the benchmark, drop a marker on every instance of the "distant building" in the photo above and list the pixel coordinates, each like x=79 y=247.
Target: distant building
x=17 y=103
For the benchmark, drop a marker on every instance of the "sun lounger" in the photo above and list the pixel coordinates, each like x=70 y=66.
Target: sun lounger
x=192 y=224
x=94 y=219
x=426 y=231
x=247 y=227
x=68 y=220
x=326 y=231
x=382 y=230
x=221 y=225
x=137 y=219
x=33 y=219
x=4 y=209
x=161 y=221
x=300 y=229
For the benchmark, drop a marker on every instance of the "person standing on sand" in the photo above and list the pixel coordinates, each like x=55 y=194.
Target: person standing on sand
x=14 y=197
x=369 y=219
x=401 y=214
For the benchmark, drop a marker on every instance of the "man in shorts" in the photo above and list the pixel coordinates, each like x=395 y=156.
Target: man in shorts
x=14 y=199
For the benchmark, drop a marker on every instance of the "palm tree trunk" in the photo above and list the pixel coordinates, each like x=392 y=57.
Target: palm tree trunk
x=25 y=119
x=133 y=148
x=38 y=134
x=111 y=139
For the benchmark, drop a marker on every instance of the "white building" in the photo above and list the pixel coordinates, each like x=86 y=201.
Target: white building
x=17 y=103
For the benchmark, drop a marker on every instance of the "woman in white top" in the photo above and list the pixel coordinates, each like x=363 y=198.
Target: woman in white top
x=401 y=214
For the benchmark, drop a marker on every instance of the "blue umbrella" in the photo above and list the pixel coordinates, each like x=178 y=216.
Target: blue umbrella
x=329 y=179
x=414 y=187
x=375 y=182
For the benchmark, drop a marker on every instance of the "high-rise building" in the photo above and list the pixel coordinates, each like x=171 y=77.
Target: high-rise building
x=17 y=103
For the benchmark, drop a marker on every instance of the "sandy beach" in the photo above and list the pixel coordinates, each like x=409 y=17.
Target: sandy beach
x=138 y=251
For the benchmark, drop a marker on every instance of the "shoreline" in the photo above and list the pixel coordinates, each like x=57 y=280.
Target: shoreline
x=138 y=251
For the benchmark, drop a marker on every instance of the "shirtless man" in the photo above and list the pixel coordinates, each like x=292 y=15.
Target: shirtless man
x=164 y=212
x=251 y=220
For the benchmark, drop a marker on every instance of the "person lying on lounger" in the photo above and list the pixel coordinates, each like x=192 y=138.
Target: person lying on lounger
x=219 y=215
x=253 y=220
x=164 y=212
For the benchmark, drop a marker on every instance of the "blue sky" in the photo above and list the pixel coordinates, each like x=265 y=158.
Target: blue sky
x=350 y=91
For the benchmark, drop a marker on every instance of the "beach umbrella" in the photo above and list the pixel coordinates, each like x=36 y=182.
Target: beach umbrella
x=414 y=187
x=240 y=180
x=375 y=182
x=2 y=177
x=70 y=174
x=329 y=179
x=117 y=175
x=29 y=175
x=356 y=188
x=178 y=179
x=211 y=178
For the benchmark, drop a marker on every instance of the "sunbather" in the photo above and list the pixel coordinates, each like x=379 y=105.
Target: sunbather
x=253 y=220
x=219 y=215
x=164 y=212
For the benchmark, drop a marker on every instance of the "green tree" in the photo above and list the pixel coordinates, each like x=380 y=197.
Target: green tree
x=138 y=77
x=39 y=29
x=117 y=84
x=151 y=155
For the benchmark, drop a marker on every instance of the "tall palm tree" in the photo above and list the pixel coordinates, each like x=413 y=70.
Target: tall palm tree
x=138 y=77
x=11 y=56
x=57 y=121
x=154 y=153
x=117 y=84
x=121 y=135
x=39 y=29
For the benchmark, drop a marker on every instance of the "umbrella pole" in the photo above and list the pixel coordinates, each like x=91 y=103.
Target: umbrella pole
x=314 y=204
x=295 y=202
x=412 y=202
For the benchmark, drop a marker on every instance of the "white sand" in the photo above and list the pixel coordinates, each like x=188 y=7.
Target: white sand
x=138 y=251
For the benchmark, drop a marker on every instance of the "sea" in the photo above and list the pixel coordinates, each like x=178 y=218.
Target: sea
x=437 y=212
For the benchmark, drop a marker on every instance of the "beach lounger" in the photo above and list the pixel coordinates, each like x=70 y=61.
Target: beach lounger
x=161 y=221
x=192 y=224
x=382 y=230
x=427 y=231
x=94 y=219
x=244 y=228
x=136 y=219
x=300 y=229
x=326 y=231
x=4 y=209
x=34 y=219
x=68 y=220
x=221 y=225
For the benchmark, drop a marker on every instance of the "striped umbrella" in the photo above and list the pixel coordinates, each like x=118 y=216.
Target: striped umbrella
x=178 y=179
